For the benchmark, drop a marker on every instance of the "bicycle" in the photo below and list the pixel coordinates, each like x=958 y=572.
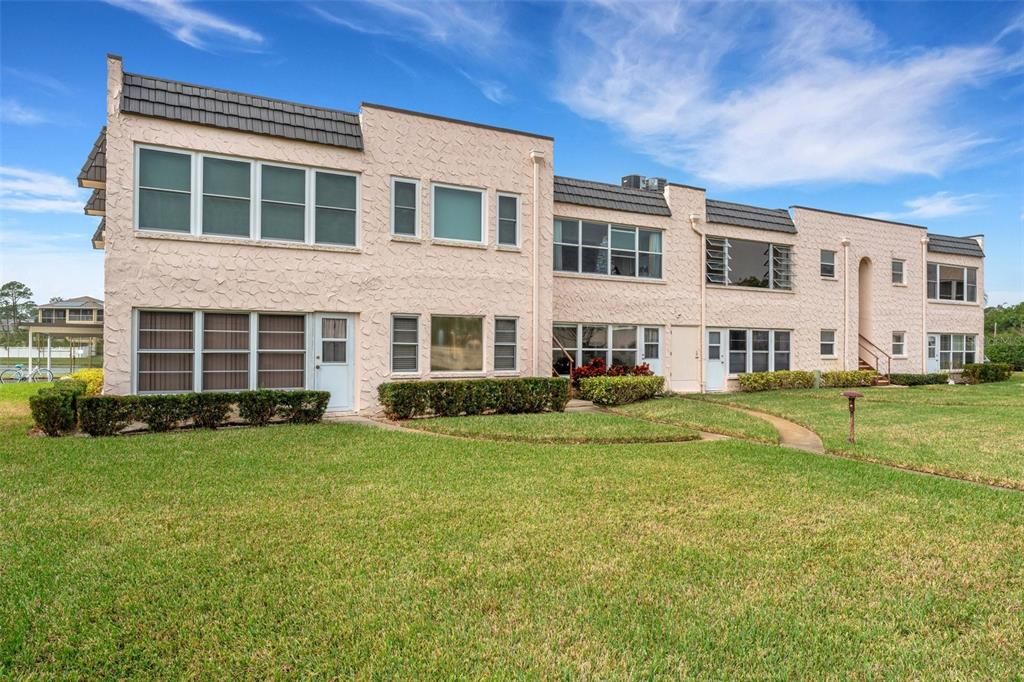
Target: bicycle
x=18 y=373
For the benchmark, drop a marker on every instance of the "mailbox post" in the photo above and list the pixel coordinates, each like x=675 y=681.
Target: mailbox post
x=852 y=397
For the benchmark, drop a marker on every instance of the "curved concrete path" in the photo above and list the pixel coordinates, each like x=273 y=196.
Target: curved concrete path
x=791 y=434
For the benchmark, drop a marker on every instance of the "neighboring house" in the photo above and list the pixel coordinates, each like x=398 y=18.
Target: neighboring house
x=252 y=243
x=72 y=319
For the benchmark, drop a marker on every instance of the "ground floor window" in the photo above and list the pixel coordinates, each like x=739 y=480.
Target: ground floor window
x=617 y=344
x=899 y=344
x=827 y=343
x=956 y=350
x=755 y=350
x=456 y=344
x=505 y=344
x=188 y=350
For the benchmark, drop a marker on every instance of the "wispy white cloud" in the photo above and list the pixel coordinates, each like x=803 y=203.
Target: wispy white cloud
x=29 y=191
x=12 y=111
x=938 y=205
x=41 y=80
x=189 y=24
x=470 y=27
x=52 y=263
x=770 y=94
x=496 y=91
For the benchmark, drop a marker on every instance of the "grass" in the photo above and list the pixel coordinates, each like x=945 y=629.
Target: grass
x=703 y=416
x=971 y=432
x=556 y=427
x=339 y=550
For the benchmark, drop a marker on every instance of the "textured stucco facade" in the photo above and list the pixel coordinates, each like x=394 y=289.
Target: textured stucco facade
x=384 y=275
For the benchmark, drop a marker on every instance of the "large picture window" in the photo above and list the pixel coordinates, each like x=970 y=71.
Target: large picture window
x=956 y=350
x=745 y=263
x=292 y=204
x=166 y=347
x=952 y=283
x=606 y=249
x=458 y=214
x=619 y=345
x=456 y=344
x=758 y=350
x=165 y=191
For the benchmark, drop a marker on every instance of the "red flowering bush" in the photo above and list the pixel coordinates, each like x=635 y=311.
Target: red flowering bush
x=597 y=367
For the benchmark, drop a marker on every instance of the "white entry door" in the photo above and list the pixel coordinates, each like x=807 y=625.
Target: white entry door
x=333 y=366
x=685 y=360
x=651 y=351
x=933 y=353
x=715 y=370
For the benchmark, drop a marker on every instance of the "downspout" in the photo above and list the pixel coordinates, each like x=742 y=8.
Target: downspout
x=924 y=305
x=537 y=156
x=703 y=299
x=845 y=241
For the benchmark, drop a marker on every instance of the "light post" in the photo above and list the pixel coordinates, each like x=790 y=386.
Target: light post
x=852 y=397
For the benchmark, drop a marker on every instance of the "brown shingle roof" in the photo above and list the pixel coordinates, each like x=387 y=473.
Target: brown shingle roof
x=742 y=215
x=604 y=195
x=94 y=170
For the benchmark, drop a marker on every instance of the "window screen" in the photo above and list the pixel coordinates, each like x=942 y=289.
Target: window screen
x=225 y=351
x=283 y=199
x=281 y=359
x=226 y=190
x=165 y=351
x=504 y=344
x=165 y=191
x=335 y=209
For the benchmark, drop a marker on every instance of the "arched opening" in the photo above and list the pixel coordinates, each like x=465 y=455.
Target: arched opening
x=864 y=298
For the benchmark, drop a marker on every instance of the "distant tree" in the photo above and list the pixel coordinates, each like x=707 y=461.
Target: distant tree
x=999 y=319
x=16 y=306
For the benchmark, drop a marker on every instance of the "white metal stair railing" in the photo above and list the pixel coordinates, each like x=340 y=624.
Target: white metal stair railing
x=879 y=359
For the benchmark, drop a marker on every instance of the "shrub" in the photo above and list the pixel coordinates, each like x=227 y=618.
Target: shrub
x=619 y=390
x=210 y=410
x=162 y=412
x=988 y=372
x=302 y=407
x=767 y=381
x=92 y=377
x=105 y=415
x=258 y=407
x=598 y=368
x=919 y=379
x=408 y=399
x=54 y=409
x=1007 y=347
x=848 y=378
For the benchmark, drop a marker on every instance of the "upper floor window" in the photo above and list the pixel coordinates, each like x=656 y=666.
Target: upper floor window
x=744 y=263
x=828 y=264
x=79 y=315
x=405 y=195
x=50 y=316
x=605 y=249
x=952 y=283
x=897 y=271
x=244 y=198
x=458 y=214
x=165 y=191
x=508 y=220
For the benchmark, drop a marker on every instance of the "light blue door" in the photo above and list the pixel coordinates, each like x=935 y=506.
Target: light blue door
x=334 y=362
x=714 y=370
x=933 y=353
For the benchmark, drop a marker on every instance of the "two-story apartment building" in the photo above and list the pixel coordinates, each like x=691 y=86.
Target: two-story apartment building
x=251 y=242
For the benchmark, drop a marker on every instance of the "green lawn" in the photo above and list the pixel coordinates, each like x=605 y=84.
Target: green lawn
x=340 y=550
x=973 y=432
x=703 y=416
x=556 y=427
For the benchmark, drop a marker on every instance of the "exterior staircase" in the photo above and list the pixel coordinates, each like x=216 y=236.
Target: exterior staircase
x=871 y=357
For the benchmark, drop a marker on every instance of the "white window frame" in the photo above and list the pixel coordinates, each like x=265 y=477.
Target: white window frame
x=749 y=349
x=416 y=222
x=514 y=344
x=637 y=252
x=938 y=295
x=822 y=264
x=902 y=282
x=483 y=214
x=497 y=220
x=577 y=351
x=822 y=342
x=200 y=316
x=484 y=358
x=726 y=245
x=255 y=199
x=952 y=351
x=196 y=350
x=418 y=345
x=902 y=343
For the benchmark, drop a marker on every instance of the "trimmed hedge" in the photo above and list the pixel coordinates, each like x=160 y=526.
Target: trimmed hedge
x=769 y=381
x=55 y=408
x=984 y=373
x=848 y=378
x=110 y=414
x=408 y=399
x=934 y=378
x=621 y=390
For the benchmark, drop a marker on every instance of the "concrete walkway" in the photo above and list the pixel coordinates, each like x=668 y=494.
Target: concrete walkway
x=791 y=434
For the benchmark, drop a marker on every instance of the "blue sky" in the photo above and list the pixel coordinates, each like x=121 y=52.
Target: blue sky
x=909 y=111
